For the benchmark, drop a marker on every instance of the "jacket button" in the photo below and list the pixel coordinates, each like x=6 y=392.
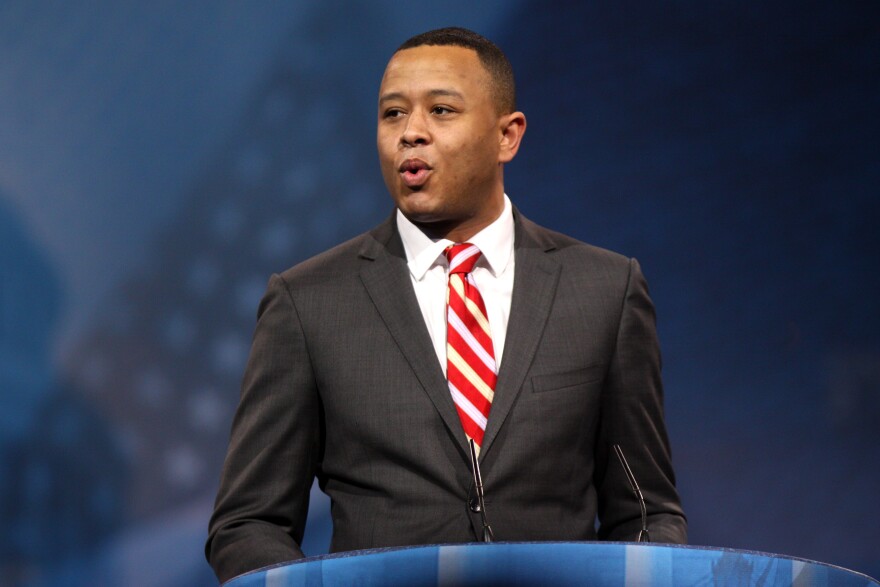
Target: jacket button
x=474 y=505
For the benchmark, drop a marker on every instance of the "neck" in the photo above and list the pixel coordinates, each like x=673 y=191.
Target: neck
x=460 y=231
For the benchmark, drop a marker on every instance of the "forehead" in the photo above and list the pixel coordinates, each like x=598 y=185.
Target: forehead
x=432 y=67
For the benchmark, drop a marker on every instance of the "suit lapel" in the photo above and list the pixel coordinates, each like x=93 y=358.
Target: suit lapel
x=534 y=287
x=387 y=281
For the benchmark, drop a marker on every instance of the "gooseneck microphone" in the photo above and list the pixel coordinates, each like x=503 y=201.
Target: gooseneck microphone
x=643 y=533
x=478 y=486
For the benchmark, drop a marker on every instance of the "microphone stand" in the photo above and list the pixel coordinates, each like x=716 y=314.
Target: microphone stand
x=478 y=487
x=643 y=533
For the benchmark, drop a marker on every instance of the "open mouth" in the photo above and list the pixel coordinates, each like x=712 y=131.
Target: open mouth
x=414 y=172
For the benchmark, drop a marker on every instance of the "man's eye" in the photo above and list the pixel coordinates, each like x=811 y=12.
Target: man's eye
x=393 y=113
x=441 y=110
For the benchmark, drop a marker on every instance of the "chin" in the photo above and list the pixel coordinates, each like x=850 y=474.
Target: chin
x=418 y=207
x=430 y=221
x=419 y=216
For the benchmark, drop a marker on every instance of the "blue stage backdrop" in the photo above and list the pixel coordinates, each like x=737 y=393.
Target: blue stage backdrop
x=158 y=162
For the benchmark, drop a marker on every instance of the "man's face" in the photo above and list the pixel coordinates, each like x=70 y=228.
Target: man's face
x=440 y=140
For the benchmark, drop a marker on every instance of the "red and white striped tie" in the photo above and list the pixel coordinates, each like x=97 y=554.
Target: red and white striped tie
x=470 y=356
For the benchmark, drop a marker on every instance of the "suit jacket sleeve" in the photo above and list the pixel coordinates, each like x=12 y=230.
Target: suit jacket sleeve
x=261 y=506
x=632 y=416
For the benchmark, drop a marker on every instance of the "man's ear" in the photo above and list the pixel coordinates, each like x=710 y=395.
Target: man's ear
x=513 y=127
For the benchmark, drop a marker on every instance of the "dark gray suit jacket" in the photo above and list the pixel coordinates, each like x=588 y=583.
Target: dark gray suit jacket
x=343 y=383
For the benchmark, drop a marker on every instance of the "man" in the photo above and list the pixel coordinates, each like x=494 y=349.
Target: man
x=362 y=374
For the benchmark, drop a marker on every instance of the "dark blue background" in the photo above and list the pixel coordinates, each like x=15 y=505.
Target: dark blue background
x=157 y=164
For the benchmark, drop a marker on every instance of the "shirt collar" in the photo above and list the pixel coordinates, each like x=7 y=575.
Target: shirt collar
x=495 y=242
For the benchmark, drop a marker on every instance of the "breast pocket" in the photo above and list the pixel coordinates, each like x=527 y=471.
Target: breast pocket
x=579 y=378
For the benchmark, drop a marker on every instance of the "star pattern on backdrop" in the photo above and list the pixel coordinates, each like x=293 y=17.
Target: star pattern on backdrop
x=168 y=356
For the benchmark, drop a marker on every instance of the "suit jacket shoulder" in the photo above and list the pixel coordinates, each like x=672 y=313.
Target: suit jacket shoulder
x=532 y=234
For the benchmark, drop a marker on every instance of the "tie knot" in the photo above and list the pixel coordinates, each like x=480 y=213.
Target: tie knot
x=462 y=257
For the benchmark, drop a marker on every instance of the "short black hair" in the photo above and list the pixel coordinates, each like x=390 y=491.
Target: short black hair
x=492 y=58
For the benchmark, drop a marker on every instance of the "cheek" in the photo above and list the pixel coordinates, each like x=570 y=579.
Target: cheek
x=386 y=144
x=384 y=152
x=465 y=153
x=474 y=160
x=387 y=165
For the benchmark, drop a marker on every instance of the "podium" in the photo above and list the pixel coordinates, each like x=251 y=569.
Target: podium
x=526 y=564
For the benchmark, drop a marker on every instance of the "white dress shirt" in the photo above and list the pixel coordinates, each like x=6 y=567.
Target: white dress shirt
x=493 y=275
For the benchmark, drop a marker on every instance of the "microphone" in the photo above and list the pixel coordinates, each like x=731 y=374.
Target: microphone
x=478 y=485
x=643 y=533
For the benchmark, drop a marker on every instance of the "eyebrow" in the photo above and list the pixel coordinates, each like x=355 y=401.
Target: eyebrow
x=433 y=93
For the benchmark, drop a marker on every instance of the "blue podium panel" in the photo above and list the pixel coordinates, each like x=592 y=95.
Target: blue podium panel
x=600 y=564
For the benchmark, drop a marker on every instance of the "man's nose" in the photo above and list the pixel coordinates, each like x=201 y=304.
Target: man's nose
x=416 y=130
